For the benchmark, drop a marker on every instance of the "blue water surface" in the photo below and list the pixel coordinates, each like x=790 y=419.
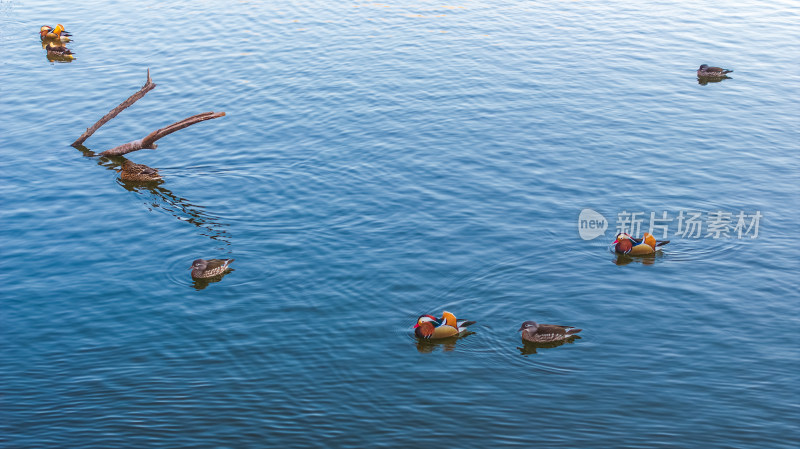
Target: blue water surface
x=379 y=161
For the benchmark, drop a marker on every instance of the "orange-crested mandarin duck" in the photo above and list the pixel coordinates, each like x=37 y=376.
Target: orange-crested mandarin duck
x=203 y=269
x=625 y=244
x=430 y=327
x=711 y=72
x=138 y=172
x=58 y=33
x=545 y=333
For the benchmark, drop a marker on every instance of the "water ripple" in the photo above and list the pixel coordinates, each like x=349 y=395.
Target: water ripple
x=379 y=161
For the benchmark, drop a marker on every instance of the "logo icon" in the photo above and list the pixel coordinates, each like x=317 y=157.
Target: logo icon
x=591 y=224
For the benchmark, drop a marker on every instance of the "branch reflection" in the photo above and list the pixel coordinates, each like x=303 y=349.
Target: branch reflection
x=163 y=198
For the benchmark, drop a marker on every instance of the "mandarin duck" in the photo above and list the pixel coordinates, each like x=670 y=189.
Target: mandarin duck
x=711 y=72
x=625 y=244
x=138 y=172
x=58 y=50
x=204 y=269
x=48 y=33
x=430 y=327
x=534 y=332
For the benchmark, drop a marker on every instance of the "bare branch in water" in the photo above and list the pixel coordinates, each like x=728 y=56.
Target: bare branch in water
x=148 y=141
x=148 y=86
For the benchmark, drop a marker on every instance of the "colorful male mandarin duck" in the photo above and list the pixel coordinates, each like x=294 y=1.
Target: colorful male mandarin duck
x=138 y=172
x=625 y=244
x=711 y=72
x=54 y=34
x=203 y=269
x=534 y=332
x=430 y=327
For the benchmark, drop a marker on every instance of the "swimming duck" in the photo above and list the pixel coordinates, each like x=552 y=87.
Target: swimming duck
x=534 y=332
x=54 y=34
x=430 y=327
x=58 y=50
x=138 y=172
x=711 y=72
x=625 y=244
x=203 y=269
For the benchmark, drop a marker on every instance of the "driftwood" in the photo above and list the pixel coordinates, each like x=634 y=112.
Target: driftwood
x=148 y=86
x=148 y=141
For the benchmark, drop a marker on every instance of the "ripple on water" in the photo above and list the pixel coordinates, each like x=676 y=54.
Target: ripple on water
x=380 y=162
x=677 y=250
x=493 y=340
x=158 y=197
x=497 y=347
x=680 y=250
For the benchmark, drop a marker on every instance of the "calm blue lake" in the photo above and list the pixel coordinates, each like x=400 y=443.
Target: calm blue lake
x=379 y=161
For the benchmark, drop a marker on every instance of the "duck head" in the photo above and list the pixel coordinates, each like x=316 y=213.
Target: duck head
x=423 y=319
x=623 y=243
x=703 y=67
x=425 y=327
x=48 y=32
x=199 y=264
x=532 y=325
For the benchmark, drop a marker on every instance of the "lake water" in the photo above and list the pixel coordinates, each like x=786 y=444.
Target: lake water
x=379 y=161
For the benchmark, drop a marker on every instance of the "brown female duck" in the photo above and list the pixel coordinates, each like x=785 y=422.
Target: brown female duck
x=138 y=172
x=544 y=333
x=58 y=50
x=711 y=72
x=203 y=269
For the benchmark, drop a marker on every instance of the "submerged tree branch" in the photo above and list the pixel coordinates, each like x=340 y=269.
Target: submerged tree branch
x=148 y=141
x=148 y=86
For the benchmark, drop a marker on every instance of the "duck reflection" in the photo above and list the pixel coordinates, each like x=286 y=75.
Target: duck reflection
x=646 y=259
x=703 y=80
x=531 y=348
x=142 y=179
x=201 y=283
x=447 y=344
